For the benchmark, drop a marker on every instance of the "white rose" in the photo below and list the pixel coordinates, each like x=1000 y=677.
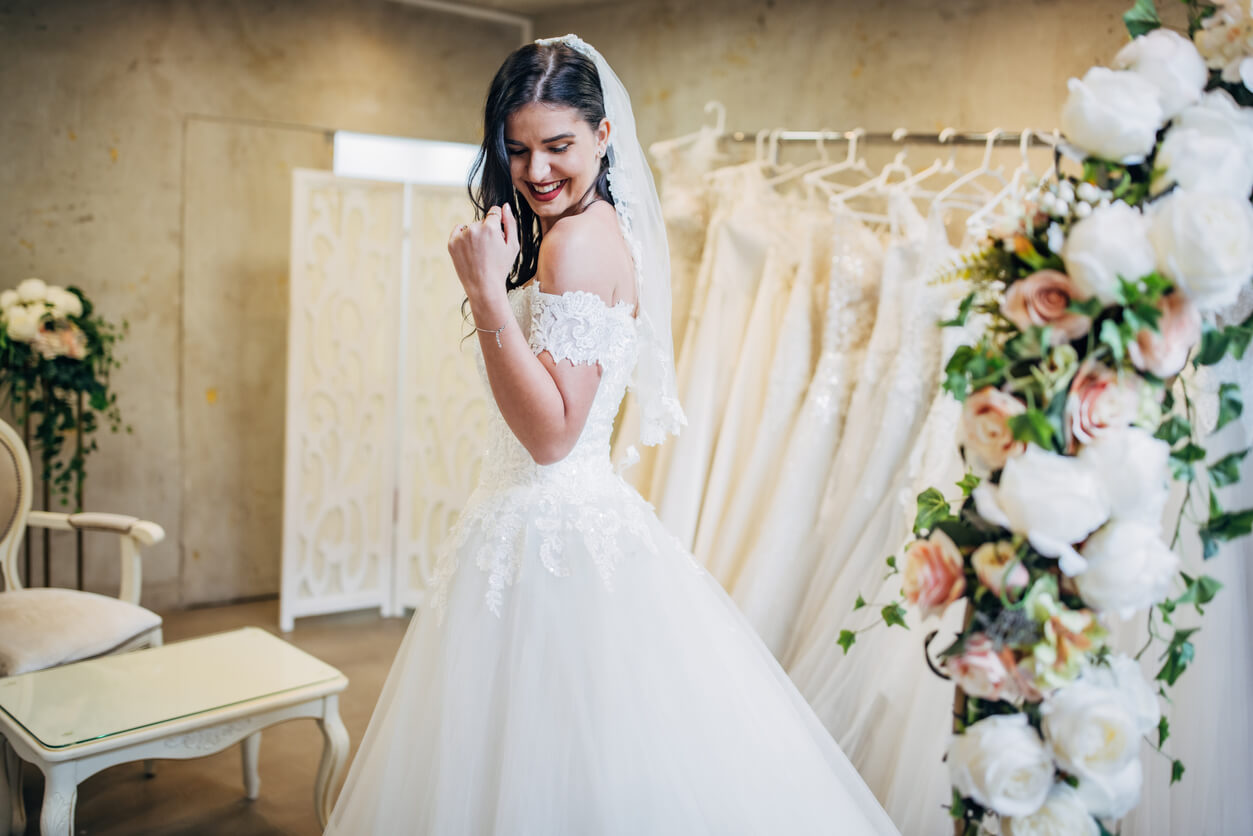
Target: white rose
x=1129 y=568
x=1001 y=763
x=1112 y=114
x=1063 y=814
x=1112 y=797
x=32 y=290
x=1054 y=500
x=1218 y=115
x=22 y=323
x=1121 y=673
x=1171 y=63
x=1111 y=243
x=1134 y=469
x=1193 y=159
x=1204 y=243
x=1092 y=734
x=8 y=299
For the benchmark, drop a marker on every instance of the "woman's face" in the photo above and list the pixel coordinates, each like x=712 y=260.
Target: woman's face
x=553 y=157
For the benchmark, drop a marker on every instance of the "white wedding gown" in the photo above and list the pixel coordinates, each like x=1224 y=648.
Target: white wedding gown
x=579 y=674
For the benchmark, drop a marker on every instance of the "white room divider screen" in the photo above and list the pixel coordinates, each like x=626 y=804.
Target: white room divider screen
x=385 y=413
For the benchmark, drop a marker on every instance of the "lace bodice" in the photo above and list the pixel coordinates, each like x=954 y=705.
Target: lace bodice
x=580 y=327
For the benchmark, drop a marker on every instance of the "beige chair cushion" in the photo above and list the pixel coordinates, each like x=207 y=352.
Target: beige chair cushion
x=43 y=628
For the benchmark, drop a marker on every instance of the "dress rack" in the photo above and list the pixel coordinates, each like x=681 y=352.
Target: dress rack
x=898 y=136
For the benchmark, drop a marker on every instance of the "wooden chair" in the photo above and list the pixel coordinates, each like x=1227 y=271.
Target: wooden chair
x=44 y=628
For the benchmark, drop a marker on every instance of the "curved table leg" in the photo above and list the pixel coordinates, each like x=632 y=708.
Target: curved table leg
x=250 y=750
x=60 y=798
x=334 y=754
x=12 y=813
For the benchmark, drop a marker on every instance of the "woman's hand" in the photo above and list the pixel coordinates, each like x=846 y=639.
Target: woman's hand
x=483 y=253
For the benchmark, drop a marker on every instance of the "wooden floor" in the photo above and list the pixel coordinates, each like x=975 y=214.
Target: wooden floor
x=206 y=795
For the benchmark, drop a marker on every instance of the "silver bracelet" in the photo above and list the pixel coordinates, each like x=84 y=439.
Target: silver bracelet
x=495 y=332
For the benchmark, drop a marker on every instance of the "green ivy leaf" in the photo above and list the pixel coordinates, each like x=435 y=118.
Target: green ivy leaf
x=891 y=561
x=894 y=616
x=968 y=483
x=958 y=808
x=1091 y=307
x=1226 y=471
x=1179 y=654
x=1033 y=426
x=1199 y=591
x=1183 y=459
x=963 y=311
x=1240 y=337
x=1112 y=336
x=859 y=603
x=1173 y=430
x=932 y=508
x=1225 y=527
x=1141 y=18
x=1176 y=771
x=1214 y=343
x=1230 y=404
x=846 y=639
x=1163 y=731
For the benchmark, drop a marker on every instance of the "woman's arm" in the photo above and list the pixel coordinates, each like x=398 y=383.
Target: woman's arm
x=545 y=404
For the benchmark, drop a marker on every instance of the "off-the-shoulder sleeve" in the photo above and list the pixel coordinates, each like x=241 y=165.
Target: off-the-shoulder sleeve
x=578 y=326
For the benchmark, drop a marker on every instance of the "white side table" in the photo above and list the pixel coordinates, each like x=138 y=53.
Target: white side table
x=183 y=700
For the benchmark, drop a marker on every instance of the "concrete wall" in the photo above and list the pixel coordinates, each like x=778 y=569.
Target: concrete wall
x=880 y=64
x=148 y=147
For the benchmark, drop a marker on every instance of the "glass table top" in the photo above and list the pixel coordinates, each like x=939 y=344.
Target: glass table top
x=99 y=698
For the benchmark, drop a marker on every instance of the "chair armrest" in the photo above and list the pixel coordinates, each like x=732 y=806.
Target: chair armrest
x=145 y=533
x=132 y=531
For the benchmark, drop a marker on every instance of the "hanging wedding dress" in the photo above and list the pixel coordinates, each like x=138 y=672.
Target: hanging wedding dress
x=774 y=569
x=752 y=356
x=739 y=247
x=579 y=672
x=723 y=535
x=686 y=207
x=1211 y=727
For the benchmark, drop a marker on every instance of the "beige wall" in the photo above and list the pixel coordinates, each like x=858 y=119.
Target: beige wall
x=147 y=149
x=147 y=157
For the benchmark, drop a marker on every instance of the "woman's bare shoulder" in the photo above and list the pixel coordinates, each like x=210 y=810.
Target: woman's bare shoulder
x=586 y=252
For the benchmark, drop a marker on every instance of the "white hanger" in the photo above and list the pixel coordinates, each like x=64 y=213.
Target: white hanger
x=794 y=172
x=851 y=162
x=879 y=185
x=985 y=168
x=949 y=166
x=977 y=223
x=718 y=129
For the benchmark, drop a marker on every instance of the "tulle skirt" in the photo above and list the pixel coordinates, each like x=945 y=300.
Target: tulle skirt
x=585 y=703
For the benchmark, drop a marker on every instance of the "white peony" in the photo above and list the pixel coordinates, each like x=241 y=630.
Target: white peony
x=1001 y=763
x=1204 y=243
x=8 y=299
x=64 y=303
x=22 y=322
x=1063 y=814
x=1111 y=243
x=32 y=290
x=1133 y=467
x=1171 y=63
x=1112 y=114
x=1130 y=568
x=1092 y=734
x=1122 y=674
x=1056 y=501
x=1203 y=161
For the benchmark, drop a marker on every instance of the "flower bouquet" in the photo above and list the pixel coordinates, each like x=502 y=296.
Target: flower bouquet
x=1094 y=294
x=56 y=354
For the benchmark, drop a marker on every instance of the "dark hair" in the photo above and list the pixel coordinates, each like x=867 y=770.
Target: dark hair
x=552 y=74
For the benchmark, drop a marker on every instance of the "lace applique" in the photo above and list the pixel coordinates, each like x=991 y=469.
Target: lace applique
x=580 y=327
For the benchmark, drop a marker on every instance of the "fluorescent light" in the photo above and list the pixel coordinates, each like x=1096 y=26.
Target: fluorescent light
x=402 y=160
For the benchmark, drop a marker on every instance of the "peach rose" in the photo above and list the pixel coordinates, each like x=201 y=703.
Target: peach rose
x=980 y=671
x=1041 y=299
x=933 y=576
x=992 y=560
x=1098 y=401
x=1165 y=351
x=985 y=428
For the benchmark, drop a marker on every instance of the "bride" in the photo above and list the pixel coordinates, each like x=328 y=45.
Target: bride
x=579 y=672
